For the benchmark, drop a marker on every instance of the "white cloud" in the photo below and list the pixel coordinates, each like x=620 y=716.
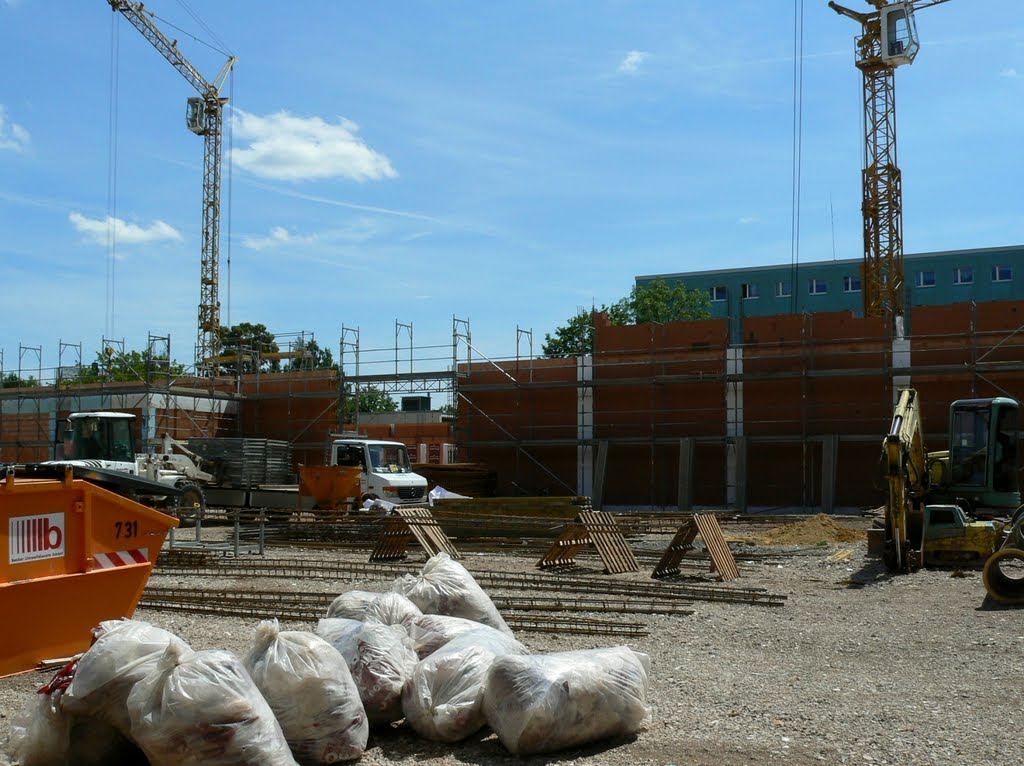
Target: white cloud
x=12 y=135
x=96 y=230
x=285 y=147
x=278 y=236
x=1009 y=72
x=746 y=220
x=633 y=60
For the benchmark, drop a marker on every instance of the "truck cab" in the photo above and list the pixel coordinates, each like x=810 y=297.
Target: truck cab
x=386 y=473
x=102 y=439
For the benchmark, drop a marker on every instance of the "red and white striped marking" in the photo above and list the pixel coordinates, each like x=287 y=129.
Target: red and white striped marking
x=113 y=559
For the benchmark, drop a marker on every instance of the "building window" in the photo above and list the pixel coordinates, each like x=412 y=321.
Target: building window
x=1002 y=273
x=749 y=291
x=851 y=284
x=718 y=293
x=817 y=286
x=963 y=275
x=783 y=289
x=926 y=279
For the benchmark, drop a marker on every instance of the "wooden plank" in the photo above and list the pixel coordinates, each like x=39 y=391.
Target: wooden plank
x=410 y=524
x=722 y=559
x=563 y=551
x=681 y=544
x=615 y=554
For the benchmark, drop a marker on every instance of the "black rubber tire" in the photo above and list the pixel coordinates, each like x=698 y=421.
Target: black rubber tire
x=191 y=503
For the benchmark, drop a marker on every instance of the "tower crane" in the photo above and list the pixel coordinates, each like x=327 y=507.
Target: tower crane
x=888 y=39
x=204 y=117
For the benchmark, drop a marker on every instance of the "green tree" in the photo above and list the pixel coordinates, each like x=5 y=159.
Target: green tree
x=248 y=343
x=371 y=400
x=11 y=380
x=131 y=365
x=314 y=358
x=655 y=301
x=576 y=337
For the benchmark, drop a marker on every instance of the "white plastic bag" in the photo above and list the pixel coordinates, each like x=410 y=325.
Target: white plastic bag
x=381 y=659
x=44 y=733
x=392 y=609
x=203 y=709
x=432 y=631
x=444 y=586
x=443 y=698
x=543 y=703
x=351 y=605
x=309 y=687
x=342 y=633
x=124 y=652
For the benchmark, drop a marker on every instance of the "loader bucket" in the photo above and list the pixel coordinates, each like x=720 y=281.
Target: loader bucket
x=72 y=554
x=332 y=487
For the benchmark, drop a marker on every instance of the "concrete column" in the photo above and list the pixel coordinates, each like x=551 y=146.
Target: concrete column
x=900 y=358
x=829 y=466
x=686 y=452
x=597 y=497
x=585 y=426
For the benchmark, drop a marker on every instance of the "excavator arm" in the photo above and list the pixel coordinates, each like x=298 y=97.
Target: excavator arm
x=906 y=468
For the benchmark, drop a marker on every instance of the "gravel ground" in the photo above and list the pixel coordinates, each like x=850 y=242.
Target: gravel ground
x=855 y=668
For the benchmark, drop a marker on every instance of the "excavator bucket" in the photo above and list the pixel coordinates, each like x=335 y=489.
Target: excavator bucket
x=72 y=554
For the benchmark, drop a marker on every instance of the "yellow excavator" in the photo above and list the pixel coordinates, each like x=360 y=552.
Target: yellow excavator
x=962 y=505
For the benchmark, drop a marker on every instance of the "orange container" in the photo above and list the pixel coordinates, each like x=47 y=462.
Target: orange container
x=71 y=555
x=332 y=487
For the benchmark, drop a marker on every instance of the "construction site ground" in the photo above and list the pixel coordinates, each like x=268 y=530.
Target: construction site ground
x=844 y=665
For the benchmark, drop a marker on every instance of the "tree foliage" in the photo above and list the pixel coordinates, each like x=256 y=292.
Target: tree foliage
x=248 y=343
x=131 y=365
x=314 y=357
x=370 y=400
x=11 y=380
x=655 y=301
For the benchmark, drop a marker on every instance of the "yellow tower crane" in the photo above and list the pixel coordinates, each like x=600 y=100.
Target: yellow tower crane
x=888 y=39
x=204 y=117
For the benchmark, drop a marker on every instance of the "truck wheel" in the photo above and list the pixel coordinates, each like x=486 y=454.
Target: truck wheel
x=191 y=504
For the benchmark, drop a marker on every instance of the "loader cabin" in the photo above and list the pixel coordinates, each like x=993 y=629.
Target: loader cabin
x=100 y=436
x=983 y=451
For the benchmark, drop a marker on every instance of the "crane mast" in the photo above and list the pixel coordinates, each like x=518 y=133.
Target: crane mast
x=204 y=117
x=888 y=39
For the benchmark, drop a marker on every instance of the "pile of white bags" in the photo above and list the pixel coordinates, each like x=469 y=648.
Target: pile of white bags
x=309 y=687
x=444 y=586
x=203 y=709
x=443 y=698
x=543 y=703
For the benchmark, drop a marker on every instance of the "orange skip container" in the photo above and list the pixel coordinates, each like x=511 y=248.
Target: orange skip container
x=72 y=554
x=332 y=487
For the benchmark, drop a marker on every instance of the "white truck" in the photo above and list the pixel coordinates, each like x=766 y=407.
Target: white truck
x=106 y=440
x=386 y=471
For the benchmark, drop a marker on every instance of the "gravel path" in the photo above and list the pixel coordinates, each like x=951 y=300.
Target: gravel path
x=856 y=668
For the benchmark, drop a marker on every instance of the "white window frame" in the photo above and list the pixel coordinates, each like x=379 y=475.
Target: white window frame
x=922 y=279
x=997 y=273
x=958 y=275
x=780 y=286
x=848 y=285
x=814 y=283
x=718 y=290
x=749 y=291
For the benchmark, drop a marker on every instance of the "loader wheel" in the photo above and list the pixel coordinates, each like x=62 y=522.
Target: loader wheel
x=191 y=504
x=1003 y=576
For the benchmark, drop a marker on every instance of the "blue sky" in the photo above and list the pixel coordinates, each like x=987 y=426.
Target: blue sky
x=502 y=163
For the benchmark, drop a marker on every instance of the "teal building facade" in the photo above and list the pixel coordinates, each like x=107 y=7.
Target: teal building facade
x=954 y=276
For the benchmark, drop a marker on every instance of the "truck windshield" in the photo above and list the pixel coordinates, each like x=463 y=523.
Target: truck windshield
x=389 y=458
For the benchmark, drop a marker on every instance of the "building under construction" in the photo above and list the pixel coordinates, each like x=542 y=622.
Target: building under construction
x=662 y=416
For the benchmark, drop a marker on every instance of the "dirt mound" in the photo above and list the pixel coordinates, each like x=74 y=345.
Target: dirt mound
x=816 y=529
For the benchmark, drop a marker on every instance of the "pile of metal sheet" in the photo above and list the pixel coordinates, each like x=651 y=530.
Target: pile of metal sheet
x=247 y=462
